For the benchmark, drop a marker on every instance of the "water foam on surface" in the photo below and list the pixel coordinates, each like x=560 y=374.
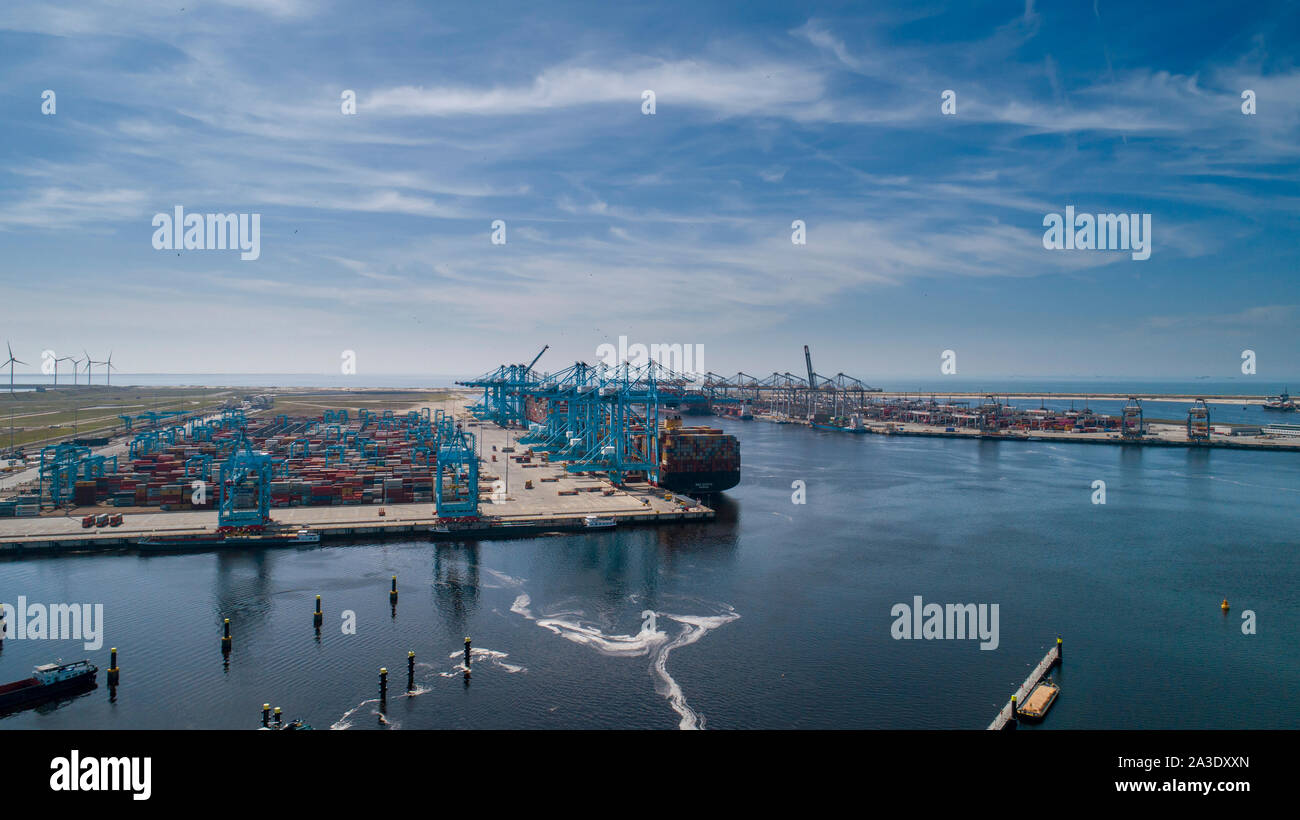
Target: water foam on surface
x=650 y=640
x=345 y=722
x=477 y=655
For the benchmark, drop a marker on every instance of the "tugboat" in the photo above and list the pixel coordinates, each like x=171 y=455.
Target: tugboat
x=279 y=725
x=48 y=681
x=1281 y=402
x=292 y=726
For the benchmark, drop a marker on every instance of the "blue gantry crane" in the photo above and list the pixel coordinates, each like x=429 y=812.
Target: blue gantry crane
x=455 y=492
x=602 y=419
x=244 y=477
x=58 y=472
x=504 y=393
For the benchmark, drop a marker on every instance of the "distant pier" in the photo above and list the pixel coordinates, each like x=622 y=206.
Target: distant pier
x=1163 y=435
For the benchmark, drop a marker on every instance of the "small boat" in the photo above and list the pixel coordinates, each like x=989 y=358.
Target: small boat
x=48 y=681
x=1281 y=402
x=294 y=725
x=598 y=521
x=1039 y=701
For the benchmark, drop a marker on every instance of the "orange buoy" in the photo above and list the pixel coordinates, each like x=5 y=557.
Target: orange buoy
x=1224 y=605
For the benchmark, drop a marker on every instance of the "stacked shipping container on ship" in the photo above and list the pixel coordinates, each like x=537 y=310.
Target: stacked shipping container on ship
x=536 y=410
x=697 y=460
x=693 y=460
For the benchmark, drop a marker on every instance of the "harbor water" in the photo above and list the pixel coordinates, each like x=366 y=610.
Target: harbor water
x=775 y=615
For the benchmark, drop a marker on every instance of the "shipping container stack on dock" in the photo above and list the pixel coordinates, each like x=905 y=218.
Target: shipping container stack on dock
x=366 y=460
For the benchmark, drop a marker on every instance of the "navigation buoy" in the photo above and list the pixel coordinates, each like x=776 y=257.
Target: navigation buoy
x=1224 y=606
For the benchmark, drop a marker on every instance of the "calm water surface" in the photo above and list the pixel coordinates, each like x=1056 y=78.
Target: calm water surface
x=776 y=615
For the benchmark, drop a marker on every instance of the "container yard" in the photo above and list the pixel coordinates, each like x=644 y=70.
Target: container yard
x=435 y=470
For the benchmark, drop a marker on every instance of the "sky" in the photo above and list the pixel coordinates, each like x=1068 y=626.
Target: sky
x=923 y=229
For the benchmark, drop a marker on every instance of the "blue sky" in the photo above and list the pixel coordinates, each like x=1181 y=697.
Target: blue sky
x=924 y=231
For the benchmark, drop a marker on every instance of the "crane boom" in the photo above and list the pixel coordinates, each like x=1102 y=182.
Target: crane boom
x=812 y=378
x=529 y=369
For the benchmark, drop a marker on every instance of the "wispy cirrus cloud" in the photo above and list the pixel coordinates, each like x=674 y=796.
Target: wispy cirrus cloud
x=760 y=88
x=1253 y=318
x=617 y=218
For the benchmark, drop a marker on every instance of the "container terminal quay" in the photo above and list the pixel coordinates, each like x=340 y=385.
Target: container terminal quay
x=513 y=452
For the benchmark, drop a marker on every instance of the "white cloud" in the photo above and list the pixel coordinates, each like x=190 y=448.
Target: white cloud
x=764 y=88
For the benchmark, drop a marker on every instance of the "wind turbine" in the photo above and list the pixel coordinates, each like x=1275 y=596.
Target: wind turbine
x=12 y=361
x=89 y=362
x=65 y=359
x=76 y=368
x=108 y=368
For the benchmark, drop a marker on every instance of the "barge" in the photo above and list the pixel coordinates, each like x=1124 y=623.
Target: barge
x=47 y=682
x=203 y=541
x=1039 y=701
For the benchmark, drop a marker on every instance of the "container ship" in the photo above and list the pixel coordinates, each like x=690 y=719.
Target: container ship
x=692 y=460
x=695 y=405
x=844 y=424
x=697 y=460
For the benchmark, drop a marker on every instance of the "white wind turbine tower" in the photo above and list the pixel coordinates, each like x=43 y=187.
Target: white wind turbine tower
x=108 y=368
x=12 y=361
x=74 y=368
x=89 y=362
